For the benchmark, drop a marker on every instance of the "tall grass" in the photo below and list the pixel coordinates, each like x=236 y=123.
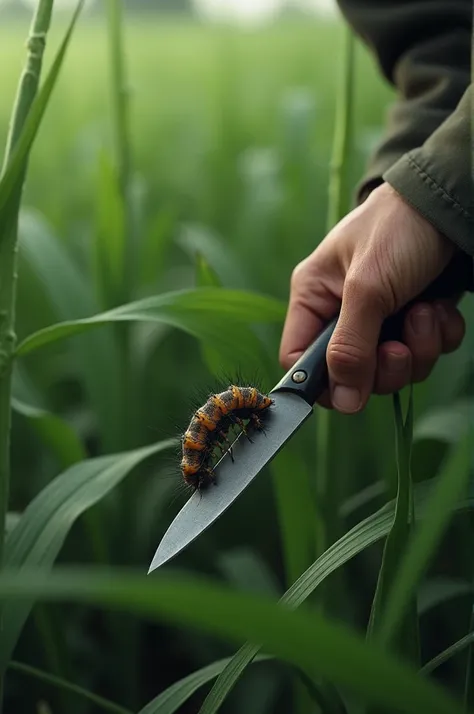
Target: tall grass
x=135 y=287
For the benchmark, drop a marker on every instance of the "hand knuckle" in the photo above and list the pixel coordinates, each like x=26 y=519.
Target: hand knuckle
x=347 y=354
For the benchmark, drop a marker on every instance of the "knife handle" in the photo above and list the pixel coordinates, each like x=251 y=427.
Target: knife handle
x=309 y=376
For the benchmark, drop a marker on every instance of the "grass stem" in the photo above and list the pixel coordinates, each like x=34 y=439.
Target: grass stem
x=27 y=90
x=337 y=205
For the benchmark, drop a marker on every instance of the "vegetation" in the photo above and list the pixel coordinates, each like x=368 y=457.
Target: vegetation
x=177 y=174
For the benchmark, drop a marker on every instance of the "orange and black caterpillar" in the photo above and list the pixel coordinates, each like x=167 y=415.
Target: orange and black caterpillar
x=209 y=428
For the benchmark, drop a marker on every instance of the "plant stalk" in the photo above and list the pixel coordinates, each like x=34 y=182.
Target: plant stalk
x=120 y=120
x=125 y=629
x=337 y=206
x=27 y=90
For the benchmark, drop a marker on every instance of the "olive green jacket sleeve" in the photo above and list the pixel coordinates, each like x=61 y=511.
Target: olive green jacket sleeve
x=423 y=48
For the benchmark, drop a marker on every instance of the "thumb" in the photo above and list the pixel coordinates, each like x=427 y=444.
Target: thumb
x=352 y=351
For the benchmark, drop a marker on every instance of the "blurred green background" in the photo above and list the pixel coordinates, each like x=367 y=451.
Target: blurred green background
x=231 y=131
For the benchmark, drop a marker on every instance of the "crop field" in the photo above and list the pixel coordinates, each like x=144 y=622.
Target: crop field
x=176 y=211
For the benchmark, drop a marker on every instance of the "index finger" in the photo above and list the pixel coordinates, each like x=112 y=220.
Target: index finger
x=310 y=308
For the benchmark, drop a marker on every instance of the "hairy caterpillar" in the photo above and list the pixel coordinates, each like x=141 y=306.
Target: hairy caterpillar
x=209 y=428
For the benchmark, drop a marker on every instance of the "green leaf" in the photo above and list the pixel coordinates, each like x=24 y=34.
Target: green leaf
x=199 y=240
x=189 y=310
x=95 y=356
x=12 y=177
x=172 y=698
x=446 y=493
x=54 y=432
x=363 y=535
x=222 y=362
x=306 y=640
x=11 y=520
x=41 y=531
x=469 y=679
x=437 y=590
x=206 y=276
x=406 y=638
x=63 y=684
x=110 y=233
x=296 y=512
x=448 y=653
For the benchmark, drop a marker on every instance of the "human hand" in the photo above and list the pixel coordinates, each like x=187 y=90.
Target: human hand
x=372 y=263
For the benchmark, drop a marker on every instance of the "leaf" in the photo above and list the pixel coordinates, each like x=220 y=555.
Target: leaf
x=200 y=240
x=54 y=432
x=448 y=653
x=246 y=570
x=63 y=684
x=469 y=679
x=306 y=640
x=178 y=693
x=189 y=310
x=446 y=493
x=206 y=276
x=437 y=590
x=12 y=177
x=95 y=356
x=445 y=424
x=11 y=519
x=221 y=362
x=296 y=512
x=405 y=640
x=364 y=534
x=41 y=531
x=110 y=232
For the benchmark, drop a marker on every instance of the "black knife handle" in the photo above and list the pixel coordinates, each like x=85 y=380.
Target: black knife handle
x=309 y=376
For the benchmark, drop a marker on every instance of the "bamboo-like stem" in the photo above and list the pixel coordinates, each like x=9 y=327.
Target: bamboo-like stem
x=337 y=205
x=120 y=120
x=338 y=193
x=126 y=631
x=27 y=90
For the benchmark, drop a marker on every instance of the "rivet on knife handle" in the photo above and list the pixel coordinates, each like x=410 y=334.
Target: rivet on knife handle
x=308 y=376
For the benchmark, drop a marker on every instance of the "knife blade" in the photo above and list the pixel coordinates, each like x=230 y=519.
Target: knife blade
x=293 y=399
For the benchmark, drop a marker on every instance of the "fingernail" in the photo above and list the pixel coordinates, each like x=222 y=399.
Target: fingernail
x=422 y=322
x=442 y=313
x=395 y=362
x=346 y=399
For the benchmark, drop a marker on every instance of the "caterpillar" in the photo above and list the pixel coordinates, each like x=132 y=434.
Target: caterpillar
x=209 y=427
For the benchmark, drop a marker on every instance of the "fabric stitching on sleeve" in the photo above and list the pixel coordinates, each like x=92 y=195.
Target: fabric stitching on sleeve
x=444 y=194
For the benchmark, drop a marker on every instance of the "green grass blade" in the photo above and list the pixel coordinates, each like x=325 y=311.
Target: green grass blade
x=55 y=433
x=448 y=653
x=406 y=639
x=296 y=512
x=66 y=686
x=446 y=493
x=306 y=640
x=326 y=697
x=209 y=314
x=469 y=680
x=13 y=172
x=206 y=276
x=363 y=535
x=109 y=245
x=178 y=693
x=436 y=591
x=41 y=531
x=95 y=355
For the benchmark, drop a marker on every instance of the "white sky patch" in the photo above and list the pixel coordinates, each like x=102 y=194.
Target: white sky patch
x=254 y=12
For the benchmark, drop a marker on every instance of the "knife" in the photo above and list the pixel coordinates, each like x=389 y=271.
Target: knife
x=293 y=397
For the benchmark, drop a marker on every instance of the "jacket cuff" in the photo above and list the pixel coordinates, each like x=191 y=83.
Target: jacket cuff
x=441 y=209
x=421 y=191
